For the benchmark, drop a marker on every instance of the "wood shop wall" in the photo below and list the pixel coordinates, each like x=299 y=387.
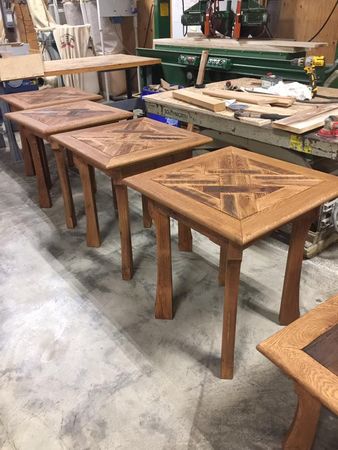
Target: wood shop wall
x=168 y=225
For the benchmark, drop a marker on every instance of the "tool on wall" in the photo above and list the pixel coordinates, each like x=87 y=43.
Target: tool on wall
x=310 y=64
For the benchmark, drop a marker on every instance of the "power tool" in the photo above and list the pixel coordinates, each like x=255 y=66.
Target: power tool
x=310 y=64
x=250 y=18
x=330 y=129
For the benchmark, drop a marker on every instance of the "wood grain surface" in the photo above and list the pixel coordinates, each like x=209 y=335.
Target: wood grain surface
x=286 y=349
x=96 y=64
x=126 y=143
x=324 y=349
x=268 y=45
x=56 y=119
x=237 y=194
x=47 y=97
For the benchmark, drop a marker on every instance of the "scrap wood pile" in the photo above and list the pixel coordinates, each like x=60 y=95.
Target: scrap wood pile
x=260 y=109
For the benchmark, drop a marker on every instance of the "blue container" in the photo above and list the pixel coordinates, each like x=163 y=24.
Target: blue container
x=175 y=123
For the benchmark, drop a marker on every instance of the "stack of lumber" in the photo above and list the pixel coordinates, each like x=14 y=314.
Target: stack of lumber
x=24 y=24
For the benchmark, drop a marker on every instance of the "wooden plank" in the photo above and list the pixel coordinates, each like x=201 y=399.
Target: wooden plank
x=268 y=45
x=96 y=64
x=254 y=121
x=303 y=122
x=199 y=100
x=248 y=97
x=19 y=67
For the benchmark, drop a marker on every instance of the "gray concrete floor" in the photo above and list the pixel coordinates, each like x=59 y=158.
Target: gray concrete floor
x=83 y=362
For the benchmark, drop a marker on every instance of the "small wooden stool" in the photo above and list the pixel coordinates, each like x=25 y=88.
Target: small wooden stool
x=39 y=99
x=234 y=197
x=41 y=123
x=121 y=150
x=307 y=351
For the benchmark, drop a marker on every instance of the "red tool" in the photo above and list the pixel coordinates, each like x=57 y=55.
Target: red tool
x=330 y=128
x=237 y=27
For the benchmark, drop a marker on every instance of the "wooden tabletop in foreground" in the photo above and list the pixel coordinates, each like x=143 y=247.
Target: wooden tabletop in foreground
x=126 y=143
x=307 y=351
x=96 y=64
x=44 y=97
x=70 y=116
x=235 y=193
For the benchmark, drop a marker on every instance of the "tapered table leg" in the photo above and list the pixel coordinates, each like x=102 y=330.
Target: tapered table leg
x=184 y=238
x=114 y=194
x=44 y=160
x=65 y=187
x=42 y=183
x=164 y=290
x=222 y=265
x=93 y=231
x=231 y=288
x=124 y=225
x=289 y=309
x=302 y=432
x=26 y=154
x=147 y=220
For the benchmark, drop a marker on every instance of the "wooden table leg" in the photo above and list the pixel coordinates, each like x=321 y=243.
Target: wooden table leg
x=70 y=159
x=26 y=154
x=147 y=220
x=232 y=277
x=222 y=265
x=164 y=290
x=289 y=309
x=114 y=194
x=93 y=178
x=124 y=224
x=302 y=432
x=42 y=183
x=44 y=159
x=93 y=231
x=65 y=186
x=184 y=238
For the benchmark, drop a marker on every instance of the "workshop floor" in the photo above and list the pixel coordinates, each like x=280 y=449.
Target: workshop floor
x=83 y=362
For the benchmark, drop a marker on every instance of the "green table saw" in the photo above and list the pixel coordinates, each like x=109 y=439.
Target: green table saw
x=229 y=58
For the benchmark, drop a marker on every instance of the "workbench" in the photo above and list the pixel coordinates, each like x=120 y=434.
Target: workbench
x=242 y=134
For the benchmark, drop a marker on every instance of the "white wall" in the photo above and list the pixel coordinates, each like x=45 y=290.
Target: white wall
x=176 y=11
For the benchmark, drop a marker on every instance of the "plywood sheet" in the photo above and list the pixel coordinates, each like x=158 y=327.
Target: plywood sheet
x=19 y=67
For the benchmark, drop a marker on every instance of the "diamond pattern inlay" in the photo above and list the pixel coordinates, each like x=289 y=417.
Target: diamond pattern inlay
x=236 y=185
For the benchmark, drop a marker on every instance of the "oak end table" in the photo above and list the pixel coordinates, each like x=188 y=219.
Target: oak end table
x=37 y=99
x=40 y=123
x=307 y=351
x=120 y=150
x=234 y=197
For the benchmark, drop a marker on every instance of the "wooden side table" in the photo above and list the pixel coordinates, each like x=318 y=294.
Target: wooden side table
x=120 y=150
x=307 y=351
x=37 y=99
x=234 y=197
x=39 y=124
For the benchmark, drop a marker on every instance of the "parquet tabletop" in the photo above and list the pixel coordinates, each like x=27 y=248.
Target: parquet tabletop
x=306 y=350
x=236 y=193
x=47 y=97
x=125 y=143
x=59 y=118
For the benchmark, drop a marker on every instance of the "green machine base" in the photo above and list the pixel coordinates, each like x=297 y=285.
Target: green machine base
x=180 y=63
